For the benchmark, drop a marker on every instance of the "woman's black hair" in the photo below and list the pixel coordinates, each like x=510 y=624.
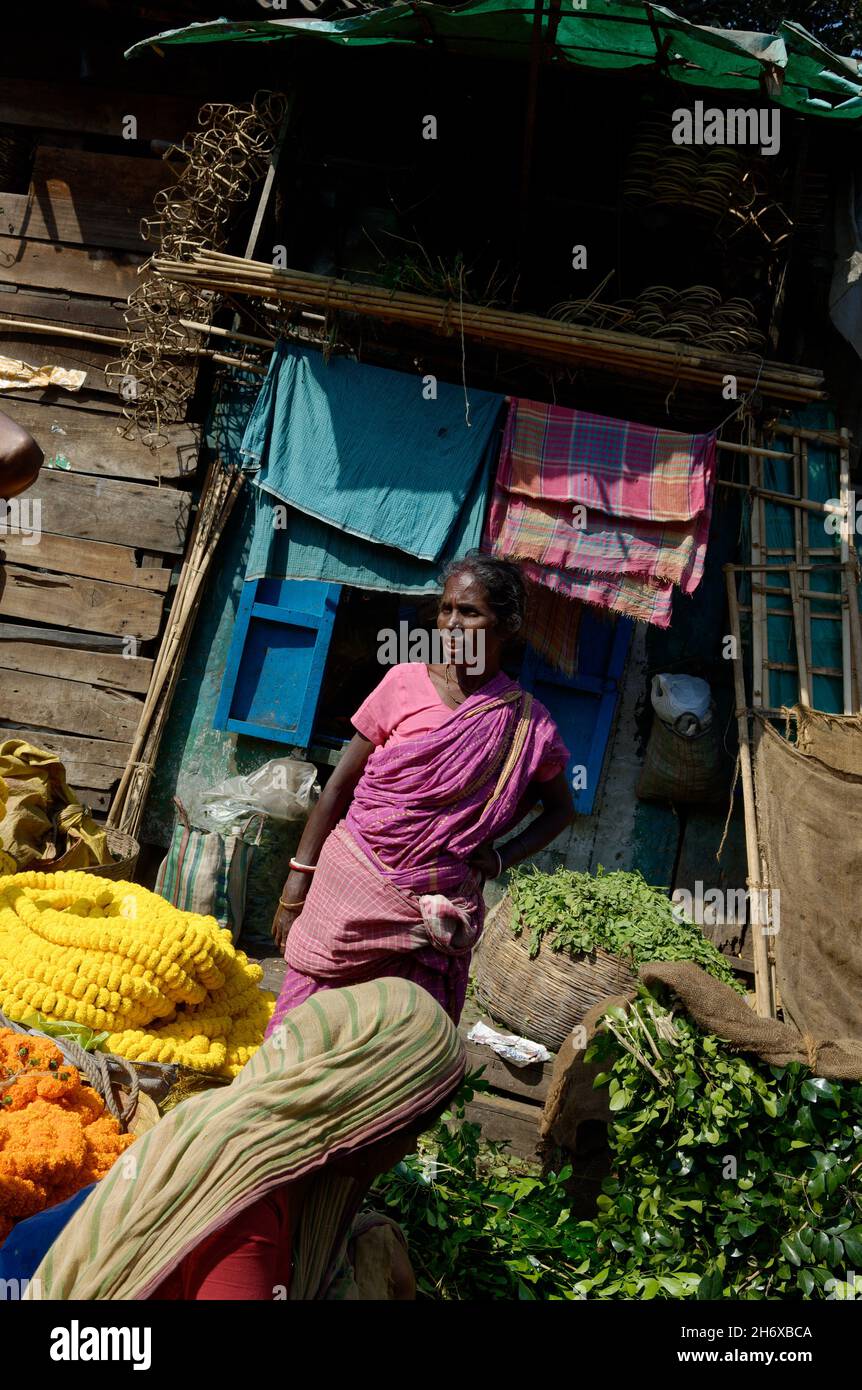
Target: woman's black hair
x=502 y=581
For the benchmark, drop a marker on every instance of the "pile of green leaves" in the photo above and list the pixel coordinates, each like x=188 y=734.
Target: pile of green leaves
x=731 y=1178
x=64 y=1031
x=477 y=1228
x=619 y=912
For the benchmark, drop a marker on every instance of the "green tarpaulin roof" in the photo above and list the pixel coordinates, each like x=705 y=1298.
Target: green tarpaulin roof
x=801 y=73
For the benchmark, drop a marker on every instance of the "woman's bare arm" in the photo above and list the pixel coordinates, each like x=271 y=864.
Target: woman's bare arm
x=20 y=458
x=334 y=800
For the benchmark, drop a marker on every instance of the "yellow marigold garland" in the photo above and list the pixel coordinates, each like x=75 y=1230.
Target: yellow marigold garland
x=166 y=985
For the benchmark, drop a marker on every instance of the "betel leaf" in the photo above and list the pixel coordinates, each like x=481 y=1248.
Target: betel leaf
x=818 y=1088
x=710 y=1285
x=619 y=912
x=748 y=1216
x=790 y=1252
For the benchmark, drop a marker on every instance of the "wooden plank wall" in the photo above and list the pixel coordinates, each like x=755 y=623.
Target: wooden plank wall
x=81 y=610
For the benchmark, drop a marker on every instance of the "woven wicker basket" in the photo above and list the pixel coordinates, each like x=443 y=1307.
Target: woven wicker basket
x=125 y=850
x=545 y=998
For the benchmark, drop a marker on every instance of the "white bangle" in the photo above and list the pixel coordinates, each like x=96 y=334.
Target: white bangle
x=499 y=863
x=303 y=868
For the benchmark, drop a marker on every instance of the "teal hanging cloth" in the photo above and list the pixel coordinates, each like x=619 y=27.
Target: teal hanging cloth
x=362 y=480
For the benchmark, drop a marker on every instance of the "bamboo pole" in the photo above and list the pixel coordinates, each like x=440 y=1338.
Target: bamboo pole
x=771 y=569
x=219 y=263
x=799 y=635
x=763 y=991
x=759 y=624
x=782 y=592
x=127 y=811
x=844 y=493
x=543 y=336
x=804 y=547
x=812 y=670
x=828 y=437
x=733 y=448
x=805 y=503
x=61 y=331
x=788 y=613
x=851 y=599
x=79 y=334
x=227 y=333
x=218 y=495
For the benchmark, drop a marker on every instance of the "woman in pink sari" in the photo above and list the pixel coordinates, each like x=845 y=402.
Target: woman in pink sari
x=445 y=760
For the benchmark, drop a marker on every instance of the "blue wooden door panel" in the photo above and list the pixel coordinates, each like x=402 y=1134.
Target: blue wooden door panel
x=583 y=706
x=277 y=658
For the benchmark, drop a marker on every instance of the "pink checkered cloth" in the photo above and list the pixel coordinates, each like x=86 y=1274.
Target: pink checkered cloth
x=619 y=468
x=645 y=600
x=647 y=495
x=357 y=925
x=546 y=533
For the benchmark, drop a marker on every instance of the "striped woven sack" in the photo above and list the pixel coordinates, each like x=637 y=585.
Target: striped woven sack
x=207 y=872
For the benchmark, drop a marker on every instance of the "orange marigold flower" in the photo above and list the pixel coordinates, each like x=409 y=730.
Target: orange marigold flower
x=56 y=1135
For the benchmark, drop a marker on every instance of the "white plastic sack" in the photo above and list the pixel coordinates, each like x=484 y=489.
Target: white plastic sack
x=673 y=696
x=284 y=788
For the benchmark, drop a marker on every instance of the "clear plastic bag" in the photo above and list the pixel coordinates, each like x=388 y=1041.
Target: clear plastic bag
x=284 y=788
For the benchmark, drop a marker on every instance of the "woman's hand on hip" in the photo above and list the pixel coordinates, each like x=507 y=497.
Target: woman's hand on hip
x=282 y=922
x=486 y=861
x=290 y=904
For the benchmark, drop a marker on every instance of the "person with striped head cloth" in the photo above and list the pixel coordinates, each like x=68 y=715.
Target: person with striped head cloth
x=253 y=1191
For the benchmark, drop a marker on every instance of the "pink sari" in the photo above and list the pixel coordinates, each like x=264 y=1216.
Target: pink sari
x=393 y=894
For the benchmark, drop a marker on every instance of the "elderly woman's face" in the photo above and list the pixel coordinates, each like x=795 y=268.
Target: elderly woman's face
x=466 y=615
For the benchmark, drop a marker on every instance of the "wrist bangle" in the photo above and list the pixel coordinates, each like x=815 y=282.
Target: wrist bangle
x=499 y=863
x=282 y=903
x=303 y=868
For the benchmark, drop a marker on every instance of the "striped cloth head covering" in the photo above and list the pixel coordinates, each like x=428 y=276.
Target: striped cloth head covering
x=348 y=1067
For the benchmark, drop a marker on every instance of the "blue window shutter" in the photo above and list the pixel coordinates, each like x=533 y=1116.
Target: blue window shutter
x=583 y=706
x=277 y=658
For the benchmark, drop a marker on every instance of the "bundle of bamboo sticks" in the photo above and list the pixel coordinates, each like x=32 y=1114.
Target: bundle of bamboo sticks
x=218 y=496
x=531 y=334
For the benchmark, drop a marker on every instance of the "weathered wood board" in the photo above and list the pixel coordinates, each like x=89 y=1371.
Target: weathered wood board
x=92 y=444
x=85 y=604
x=530 y=1082
x=42 y=349
x=96 y=110
x=99 y=803
x=56 y=306
x=511 y=1122
x=71 y=663
x=93 y=271
x=95 y=560
x=86 y=199
x=63 y=637
x=68 y=705
x=119 y=513
x=89 y=762
x=106 y=405
x=46 y=214
x=118 y=182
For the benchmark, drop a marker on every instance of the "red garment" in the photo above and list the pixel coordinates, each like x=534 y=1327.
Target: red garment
x=248 y=1260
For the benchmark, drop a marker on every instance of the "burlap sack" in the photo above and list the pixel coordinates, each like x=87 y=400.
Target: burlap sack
x=688 y=771
x=572 y=1098
x=716 y=1009
x=836 y=739
x=810 y=825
